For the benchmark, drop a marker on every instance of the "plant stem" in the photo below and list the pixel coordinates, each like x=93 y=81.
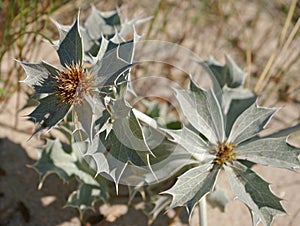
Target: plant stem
x=202 y=212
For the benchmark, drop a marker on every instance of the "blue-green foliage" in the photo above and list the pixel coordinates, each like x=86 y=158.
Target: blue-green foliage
x=106 y=137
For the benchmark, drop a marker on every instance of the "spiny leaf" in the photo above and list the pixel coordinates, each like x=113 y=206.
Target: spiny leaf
x=235 y=76
x=108 y=69
x=128 y=25
x=197 y=105
x=87 y=113
x=70 y=49
x=237 y=94
x=216 y=111
x=40 y=76
x=274 y=152
x=85 y=196
x=49 y=112
x=99 y=23
x=215 y=70
x=193 y=185
x=55 y=160
x=214 y=106
x=192 y=142
x=112 y=156
x=111 y=18
x=229 y=74
x=254 y=192
x=31 y=100
x=235 y=102
x=250 y=123
x=129 y=132
x=62 y=30
x=125 y=50
x=169 y=159
x=126 y=127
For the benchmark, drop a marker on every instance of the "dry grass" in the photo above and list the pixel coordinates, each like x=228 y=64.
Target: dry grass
x=21 y=30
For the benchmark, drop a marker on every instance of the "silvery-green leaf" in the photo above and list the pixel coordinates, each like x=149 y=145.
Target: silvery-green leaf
x=247 y=186
x=54 y=159
x=94 y=23
x=237 y=94
x=85 y=196
x=217 y=114
x=126 y=126
x=88 y=42
x=169 y=159
x=108 y=69
x=111 y=18
x=235 y=76
x=49 y=112
x=128 y=131
x=112 y=156
x=62 y=30
x=214 y=101
x=128 y=25
x=192 y=143
x=250 y=123
x=235 y=102
x=255 y=218
x=87 y=113
x=274 y=152
x=125 y=50
x=229 y=74
x=200 y=109
x=99 y=23
x=117 y=39
x=217 y=198
x=119 y=108
x=193 y=185
x=215 y=70
x=98 y=152
x=40 y=76
x=70 y=49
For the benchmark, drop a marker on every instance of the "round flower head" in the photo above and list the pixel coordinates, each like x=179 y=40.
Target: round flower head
x=73 y=83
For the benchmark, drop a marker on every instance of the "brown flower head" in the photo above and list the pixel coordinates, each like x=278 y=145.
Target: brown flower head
x=73 y=83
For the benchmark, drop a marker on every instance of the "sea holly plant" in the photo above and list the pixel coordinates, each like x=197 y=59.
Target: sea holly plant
x=78 y=89
x=104 y=129
x=85 y=99
x=70 y=85
x=207 y=141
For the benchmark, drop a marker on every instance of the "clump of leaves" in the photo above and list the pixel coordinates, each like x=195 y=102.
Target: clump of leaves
x=107 y=137
x=84 y=99
x=76 y=92
x=71 y=85
x=218 y=142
